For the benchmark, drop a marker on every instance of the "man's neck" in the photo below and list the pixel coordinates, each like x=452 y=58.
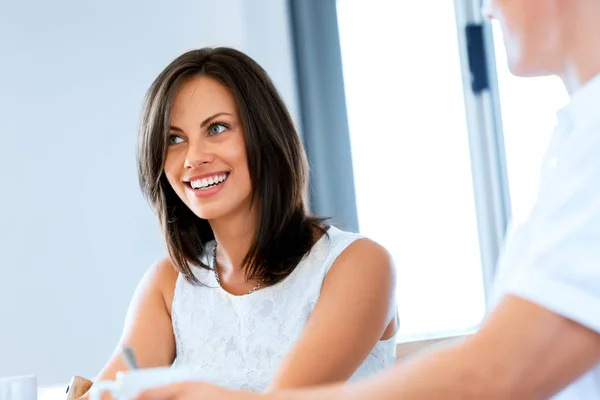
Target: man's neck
x=577 y=74
x=582 y=51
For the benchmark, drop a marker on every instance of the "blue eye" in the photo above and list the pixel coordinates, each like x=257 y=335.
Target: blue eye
x=216 y=128
x=174 y=139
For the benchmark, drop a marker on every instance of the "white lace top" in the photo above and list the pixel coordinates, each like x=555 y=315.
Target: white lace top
x=239 y=341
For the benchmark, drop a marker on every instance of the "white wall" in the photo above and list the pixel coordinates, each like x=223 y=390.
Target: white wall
x=75 y=233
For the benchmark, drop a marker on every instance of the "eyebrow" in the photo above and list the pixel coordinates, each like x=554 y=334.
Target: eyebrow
x=203 y=124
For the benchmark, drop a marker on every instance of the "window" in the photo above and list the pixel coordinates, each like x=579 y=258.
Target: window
x=411 y=160
x=528 y=107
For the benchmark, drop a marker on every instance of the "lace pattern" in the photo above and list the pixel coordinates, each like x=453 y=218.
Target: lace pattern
x=239 y=341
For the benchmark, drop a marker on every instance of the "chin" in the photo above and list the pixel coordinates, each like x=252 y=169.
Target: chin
x=524 y=72
x=208 y=213
x=530 y=66
x=518 y=70
x=216 y=208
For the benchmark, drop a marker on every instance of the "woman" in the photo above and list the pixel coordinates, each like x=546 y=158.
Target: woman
x=542 y=337
x=255 y=292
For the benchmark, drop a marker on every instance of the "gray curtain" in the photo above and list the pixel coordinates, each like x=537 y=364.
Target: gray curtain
x=323 y=110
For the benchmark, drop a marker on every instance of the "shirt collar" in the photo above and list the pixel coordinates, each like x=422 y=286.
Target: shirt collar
x=584 y=106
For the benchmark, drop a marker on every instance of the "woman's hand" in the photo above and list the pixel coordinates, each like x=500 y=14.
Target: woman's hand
x=194 y=391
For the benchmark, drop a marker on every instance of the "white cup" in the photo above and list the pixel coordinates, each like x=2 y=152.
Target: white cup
x=132 y=382
x=18 y=388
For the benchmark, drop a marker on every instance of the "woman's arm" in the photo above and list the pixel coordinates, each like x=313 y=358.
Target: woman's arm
x=354 y=311
x=148 y=328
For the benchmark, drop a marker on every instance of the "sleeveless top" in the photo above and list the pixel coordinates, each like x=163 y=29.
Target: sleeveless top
x=238 y=342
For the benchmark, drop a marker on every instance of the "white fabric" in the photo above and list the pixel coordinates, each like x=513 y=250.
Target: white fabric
x=553 y=258
x=239 y=341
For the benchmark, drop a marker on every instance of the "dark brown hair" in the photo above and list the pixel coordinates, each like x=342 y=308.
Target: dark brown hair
x=276 y=161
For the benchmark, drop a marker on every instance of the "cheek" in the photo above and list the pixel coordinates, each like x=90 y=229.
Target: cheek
x=517 y=42
x=239 y=162
x=171 y=169
x=531 y=25
x=237 y=155
x=243 y=165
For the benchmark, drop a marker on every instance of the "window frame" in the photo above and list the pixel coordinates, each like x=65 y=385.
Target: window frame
x=318 y=55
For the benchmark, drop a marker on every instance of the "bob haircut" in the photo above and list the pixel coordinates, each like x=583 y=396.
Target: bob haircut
x=276 y=162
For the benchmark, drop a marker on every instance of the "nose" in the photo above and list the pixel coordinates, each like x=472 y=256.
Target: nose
x=198 y=154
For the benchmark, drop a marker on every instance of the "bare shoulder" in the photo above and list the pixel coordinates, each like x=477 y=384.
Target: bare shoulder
x=161 y=273
x=367 y=269
x=363 y=277
x=366 y=254
x=164 y=269
x=161 y=277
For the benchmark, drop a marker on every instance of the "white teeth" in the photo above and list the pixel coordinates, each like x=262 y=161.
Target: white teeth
x=205 y=182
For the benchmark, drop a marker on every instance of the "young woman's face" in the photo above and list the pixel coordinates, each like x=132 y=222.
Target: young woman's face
x=206 y=161
x=531 y=31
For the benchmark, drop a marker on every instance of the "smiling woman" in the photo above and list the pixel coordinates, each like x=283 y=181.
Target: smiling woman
x=256 y=293
x=221 y=125
x=207 y=158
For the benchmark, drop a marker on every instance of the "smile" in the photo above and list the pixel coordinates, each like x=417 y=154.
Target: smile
x=208 y=182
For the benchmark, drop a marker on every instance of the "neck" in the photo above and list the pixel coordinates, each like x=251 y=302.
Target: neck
x=234 y=235
x=582 y=52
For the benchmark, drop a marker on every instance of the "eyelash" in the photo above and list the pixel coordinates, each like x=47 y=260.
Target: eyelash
x=215 y=123
x=173 y=137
